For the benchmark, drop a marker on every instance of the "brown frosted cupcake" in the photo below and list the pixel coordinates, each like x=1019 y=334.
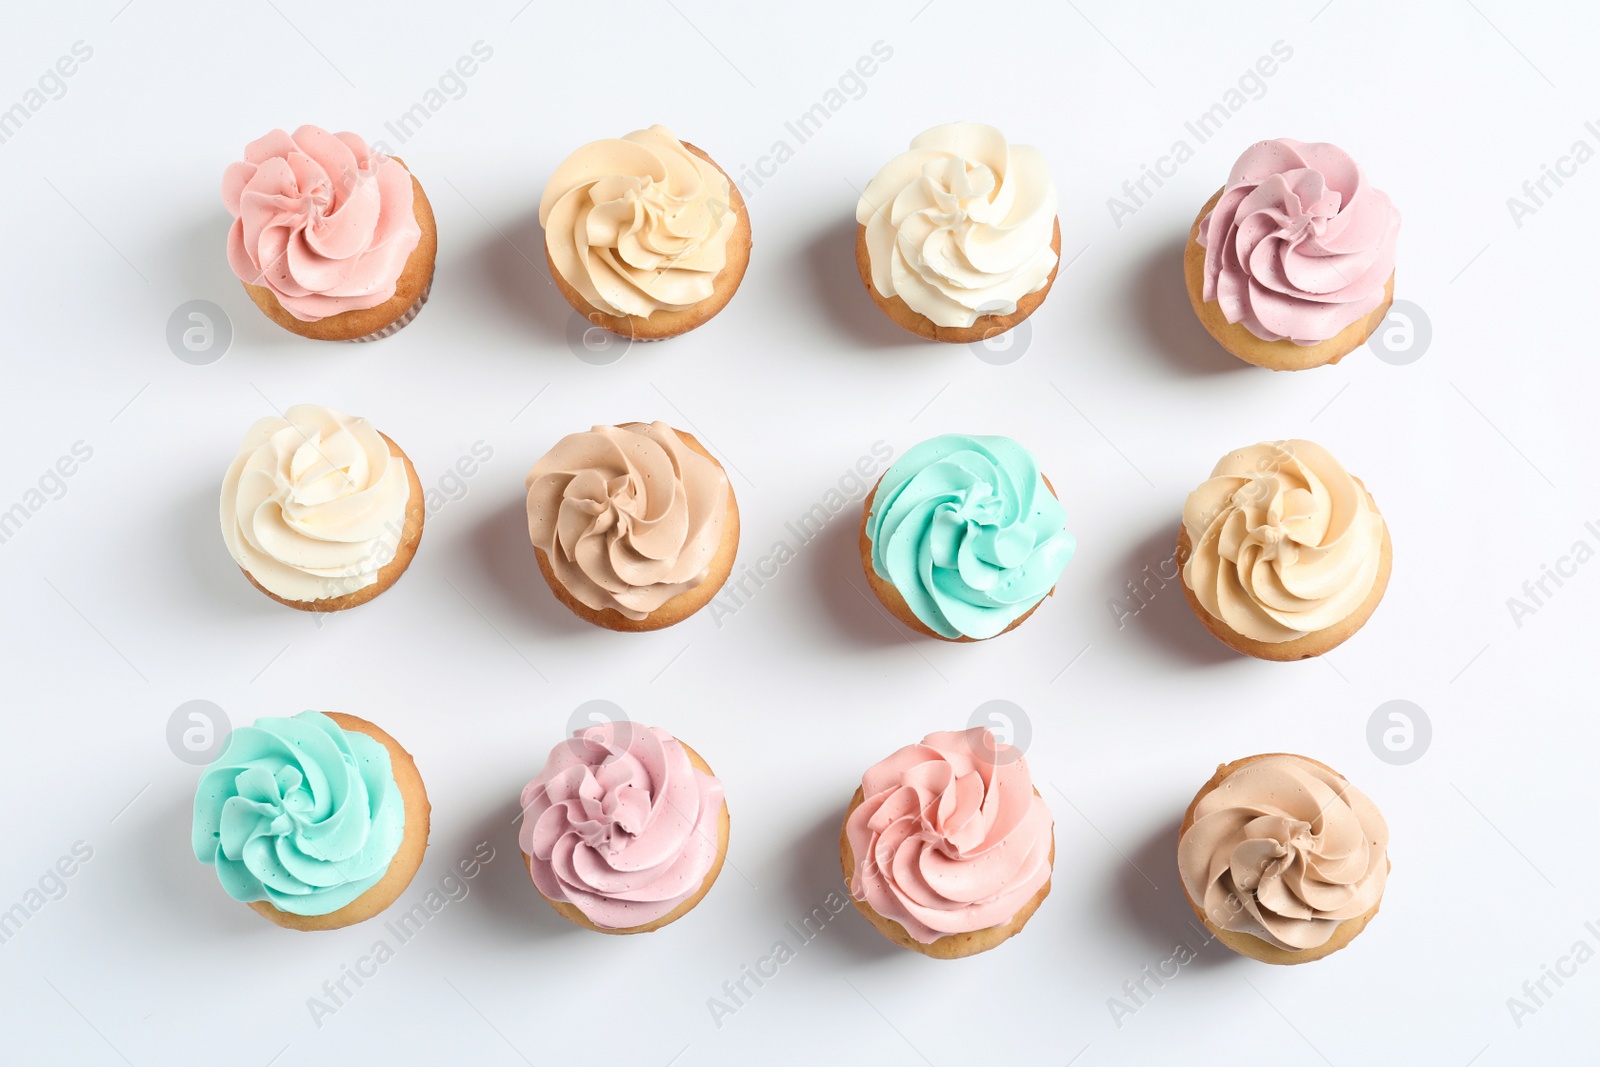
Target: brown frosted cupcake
x=321 y=511
x=1283 y=554
x=947 y=847
x=1291 y=264
x=332 y=240
x=645 y=235
x=317 y=821
x=625 y=829
x=1282 y=859
x=635 y=527
x=957 y=239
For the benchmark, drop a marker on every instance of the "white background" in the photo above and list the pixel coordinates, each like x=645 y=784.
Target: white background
x=122 y=602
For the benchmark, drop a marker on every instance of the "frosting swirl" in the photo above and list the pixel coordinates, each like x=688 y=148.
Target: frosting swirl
x=1284 y=850
x=1300 y=245
x=961 y=225
x=300 y=813
x=628 y=516
x=950 y=837
x=638 y=224
x=321 y=220
x=620 y=824
x=966 y=530
x=1283 y=541
x=314 y=504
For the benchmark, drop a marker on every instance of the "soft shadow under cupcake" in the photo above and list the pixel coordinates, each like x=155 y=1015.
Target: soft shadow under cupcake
x=1160 y=612
x=205 y=554
x=157 y=829
x=510 y=265
x=832 y=561
x=1161 y=912
x=815 y=874
x=1158 y=302
x=503 y=887
x=504 y=554
x=842 y=299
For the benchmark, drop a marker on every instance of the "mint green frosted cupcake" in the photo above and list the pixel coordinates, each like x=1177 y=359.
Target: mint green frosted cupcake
x=963 y=537
x=316 y=821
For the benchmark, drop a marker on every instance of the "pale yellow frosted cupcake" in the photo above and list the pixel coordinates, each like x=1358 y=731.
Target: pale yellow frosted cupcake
x=1283 y=553
x=646 y=236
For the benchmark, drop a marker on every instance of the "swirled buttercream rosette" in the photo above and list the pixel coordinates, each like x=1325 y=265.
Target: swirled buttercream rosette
x=316 y=821
x=332 y=239
x=1291 y=264
x=320 y=510
x=634 y=527
x=963 y=537
x=625 y=829
x=1283 y=553
x=1282 y=858
x=645 y=235
x=957 y=238
x=947 y=846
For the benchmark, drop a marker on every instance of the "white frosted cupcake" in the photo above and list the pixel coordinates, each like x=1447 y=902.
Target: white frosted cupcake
x=957 y=239
x=321 y=511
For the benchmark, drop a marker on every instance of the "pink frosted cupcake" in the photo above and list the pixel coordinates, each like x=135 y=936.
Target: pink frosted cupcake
x=947 y=846
x=1291 y=264
x=332 y=240
x=625 y=829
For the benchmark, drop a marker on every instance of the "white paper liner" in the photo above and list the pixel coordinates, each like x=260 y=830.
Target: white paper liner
x=398 y=324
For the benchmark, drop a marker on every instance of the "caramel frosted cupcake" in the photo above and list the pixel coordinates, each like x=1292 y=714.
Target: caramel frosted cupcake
x=316 y=821
x=947 y=847
x=957 y=239
x=321 y=511
x=963 y=537
x=635 y=527
x=645 y=234
x=1283 y=553
x=1282 y=859
x=625 y=829
x=1291 y=264
x=332 y=240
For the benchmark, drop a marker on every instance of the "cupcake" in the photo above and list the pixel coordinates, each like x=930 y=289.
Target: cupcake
x=1283 y=554
x=332 y=240
x=635 y=527
x=321 y=511
x=645 y=234
x=962 y=538
x=1291 y=264
x=316 y=821
x=957 y=239
x=625 y=829
x=1282 y=859
x=947 y=846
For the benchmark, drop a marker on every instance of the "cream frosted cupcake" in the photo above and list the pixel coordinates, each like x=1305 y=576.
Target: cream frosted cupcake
x=317 y=821
x=1291 y=264
x=635 y=527
x=957 y=239
x=1283 y=553
x=963 y=537
x=321 y=511
x=332 y=240
x=947 y=847
x=645 y=234
x=625 y=829
x=1282 y=859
